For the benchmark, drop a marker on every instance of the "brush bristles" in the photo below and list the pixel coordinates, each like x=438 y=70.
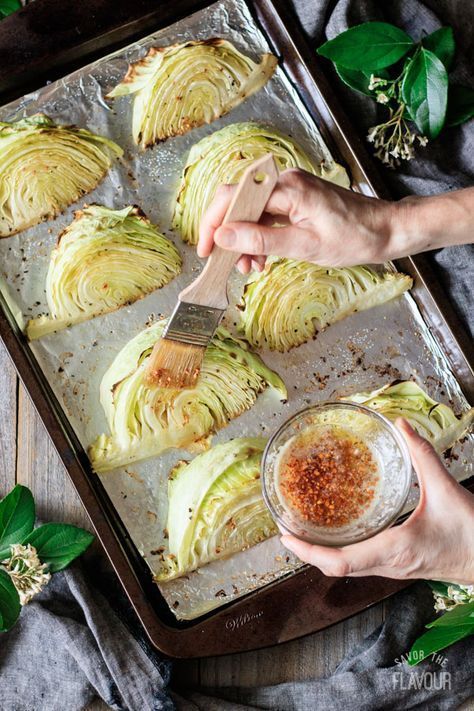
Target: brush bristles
x=174 y=364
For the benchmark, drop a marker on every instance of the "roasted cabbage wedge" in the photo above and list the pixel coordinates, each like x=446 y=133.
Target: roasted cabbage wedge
x=290 y=301
x=144 y=420
x=182 y=86
x=216 y=507
x=432 y=420
x=223 y=156
x=45 y=167
x=103 y=260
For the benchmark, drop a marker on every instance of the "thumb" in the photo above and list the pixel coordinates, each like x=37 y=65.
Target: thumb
x=254 y=238
x=431 y=472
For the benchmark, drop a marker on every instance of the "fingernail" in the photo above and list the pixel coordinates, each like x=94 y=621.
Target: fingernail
x=225 y=237
x=404 y=424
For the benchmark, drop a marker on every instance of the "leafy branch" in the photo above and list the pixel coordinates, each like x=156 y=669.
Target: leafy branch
x=28 y=555
x=410 y=78
x=8 y=6
x=456 y=623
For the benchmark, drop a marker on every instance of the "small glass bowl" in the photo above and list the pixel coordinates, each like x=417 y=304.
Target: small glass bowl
x=388 y=449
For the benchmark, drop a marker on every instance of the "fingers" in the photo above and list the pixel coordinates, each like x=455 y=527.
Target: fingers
x=270 y=220
x=257 y=239
x=211 y=230
x=431 y=472
x=213 y=217
x=282 y=203
x=291 y=191
x=258 y=263
x=387 y=554
x=244 y=264
x=391 y=554
x=328 y=560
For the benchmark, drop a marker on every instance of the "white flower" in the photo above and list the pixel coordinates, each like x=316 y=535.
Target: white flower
x=406 y=151
x=372 y=134
x=455 y=595
x=440 y=604
x=393 y=140
x=27 y=572
x=374 y=82
x=382 y=98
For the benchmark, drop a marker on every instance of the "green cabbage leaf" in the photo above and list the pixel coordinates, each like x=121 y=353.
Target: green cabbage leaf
x=44 y=167
x=182 y=86
x=287 y=303
x=433 y=420
x=144 y=421
x=103 y=260
x=216 y=507
x=223 y=156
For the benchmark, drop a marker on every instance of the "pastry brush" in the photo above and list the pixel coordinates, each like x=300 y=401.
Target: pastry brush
x=176 y=359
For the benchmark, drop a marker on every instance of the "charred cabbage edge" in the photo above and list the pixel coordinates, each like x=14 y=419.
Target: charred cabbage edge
x=216 y=506
x=45 y=167
x=222 y=157
x=186 y=85
x=144 y=421
x=286 y=304
x=103 y=260
x=432 y=420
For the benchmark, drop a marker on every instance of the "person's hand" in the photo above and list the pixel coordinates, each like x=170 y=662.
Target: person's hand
x=436 y=542
x=317 y=221
x=323 y=223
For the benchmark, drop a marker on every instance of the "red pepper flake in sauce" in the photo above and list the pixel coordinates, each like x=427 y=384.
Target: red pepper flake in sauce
x=329 y=477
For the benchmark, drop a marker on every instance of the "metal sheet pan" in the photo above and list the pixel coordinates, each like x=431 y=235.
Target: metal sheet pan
x=434 y=370
x=387 y=343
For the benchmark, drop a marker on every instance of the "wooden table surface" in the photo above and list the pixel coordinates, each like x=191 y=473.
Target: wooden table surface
x=28 y=457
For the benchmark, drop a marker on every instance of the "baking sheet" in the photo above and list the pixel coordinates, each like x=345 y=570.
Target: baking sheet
x=360 y=353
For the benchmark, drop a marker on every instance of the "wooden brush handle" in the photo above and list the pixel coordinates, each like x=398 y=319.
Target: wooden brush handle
x=248 y=204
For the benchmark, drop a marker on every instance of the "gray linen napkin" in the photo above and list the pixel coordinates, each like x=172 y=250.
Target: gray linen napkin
x=70 y=646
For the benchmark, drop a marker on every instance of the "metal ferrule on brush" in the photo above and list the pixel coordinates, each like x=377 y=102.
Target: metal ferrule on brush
x=193 y=324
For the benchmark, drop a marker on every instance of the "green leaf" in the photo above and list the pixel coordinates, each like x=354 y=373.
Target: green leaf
x=462 y=614
x=367 y=47
x=442 y=44
x=355 y=79
x=17 y=518
x=9 y=6
x=57 y=544
x=438 y=586
x=425 y=92
x=436 y=639
x=9 y=602
x=358 y=80
x=460 y=104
